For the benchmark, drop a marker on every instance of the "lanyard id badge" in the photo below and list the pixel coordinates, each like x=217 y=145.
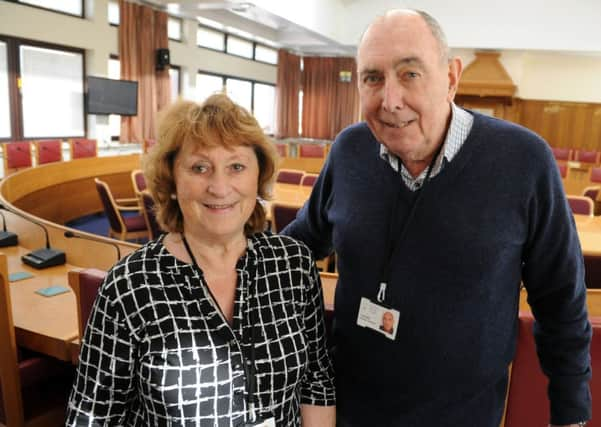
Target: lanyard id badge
x=375 y=316
x=269 y=422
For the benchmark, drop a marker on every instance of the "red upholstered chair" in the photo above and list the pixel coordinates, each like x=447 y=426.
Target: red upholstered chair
x=120 y=227
x=35 y=388
x=563 y=169
x=581 y=205
x=83 y=147
x=17 y=155
x=527 y=403
x=595 y=174
x=85 y=284
x=48 y=151
x=592 y=271
x=138 y=181
x=309 y=179
x=585 y=156
x=282 y=149
x=289 y=176
x=564 y=154
x=283 y=214
x=312 y=150
x=148 y=210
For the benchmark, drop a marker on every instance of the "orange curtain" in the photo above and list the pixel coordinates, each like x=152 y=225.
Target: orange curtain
x=141 y=31
x=346 y=105
x=329 y=104
x=286 y=96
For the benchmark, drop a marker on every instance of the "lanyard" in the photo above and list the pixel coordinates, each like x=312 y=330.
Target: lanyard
x=393 y=232
x=249 y=364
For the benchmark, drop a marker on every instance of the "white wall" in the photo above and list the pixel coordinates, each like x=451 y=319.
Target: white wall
x=100 y=40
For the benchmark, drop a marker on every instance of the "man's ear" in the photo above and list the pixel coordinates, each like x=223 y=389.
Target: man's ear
x=455 y=69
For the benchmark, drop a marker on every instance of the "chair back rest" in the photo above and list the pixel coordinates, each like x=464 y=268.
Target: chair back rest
x=563 y=169
x=591 y=192
x=85 y=284
x=83 y=147
x=282 y=149
x=17 y=155
x=138 y=180
x=148 y=210
x=592 y=271
x=581 y=205
x=308 y=179
x=311 y=150
x=585 y=156
x=282 y=215
x=595 y=174
x=562 y=153
x=289 y=176
x=48 y=151
x=108 y=203
x=527 y=402
x=11 y=397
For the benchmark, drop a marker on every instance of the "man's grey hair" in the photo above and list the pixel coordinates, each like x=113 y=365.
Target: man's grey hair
x=432 y=24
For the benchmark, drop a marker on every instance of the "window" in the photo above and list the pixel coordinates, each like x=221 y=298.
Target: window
x=113 y=13
x=212 y=39
x=5 y=131
x=266 y=54
x=240 y=47
x=51 y=92
x=264 y=104
x=258 y=98
x=207 y=85
x=174 y=78
x=240 y=91
x=72 y=7
x=174 y=28
x=114 y=119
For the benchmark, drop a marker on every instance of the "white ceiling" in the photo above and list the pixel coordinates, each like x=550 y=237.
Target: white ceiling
x=264 y=25
x=333 y=27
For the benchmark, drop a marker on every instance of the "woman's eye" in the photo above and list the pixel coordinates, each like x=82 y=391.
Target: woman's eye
x=199 y=168
x=238 y=167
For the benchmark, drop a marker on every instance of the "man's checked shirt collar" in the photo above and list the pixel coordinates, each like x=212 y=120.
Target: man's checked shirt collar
x=459 y=129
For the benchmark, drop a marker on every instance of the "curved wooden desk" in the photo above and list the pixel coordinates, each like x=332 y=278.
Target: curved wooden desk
x=55 y=193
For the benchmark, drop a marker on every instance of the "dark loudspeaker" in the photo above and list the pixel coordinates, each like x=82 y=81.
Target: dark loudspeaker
x=162 y=59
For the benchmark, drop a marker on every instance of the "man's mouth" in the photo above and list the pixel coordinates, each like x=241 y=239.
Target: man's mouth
x=396 y=125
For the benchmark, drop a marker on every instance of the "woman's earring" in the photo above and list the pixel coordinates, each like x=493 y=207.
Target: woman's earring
x=172 y=196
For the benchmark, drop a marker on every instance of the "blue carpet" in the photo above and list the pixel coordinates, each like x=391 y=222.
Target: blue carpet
x=96 y=224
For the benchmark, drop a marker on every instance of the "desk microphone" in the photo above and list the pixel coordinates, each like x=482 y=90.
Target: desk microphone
x=7 y=238
x=40 y=258
x=71 y=235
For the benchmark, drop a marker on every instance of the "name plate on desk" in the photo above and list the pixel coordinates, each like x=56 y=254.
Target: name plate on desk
x=574 y=165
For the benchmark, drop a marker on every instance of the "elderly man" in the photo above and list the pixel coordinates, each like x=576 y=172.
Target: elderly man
x=440 y=213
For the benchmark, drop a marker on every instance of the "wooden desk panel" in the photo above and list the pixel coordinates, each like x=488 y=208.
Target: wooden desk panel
x=43 y=324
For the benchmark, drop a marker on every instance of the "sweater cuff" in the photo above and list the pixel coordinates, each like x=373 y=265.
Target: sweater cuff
x=570 y=399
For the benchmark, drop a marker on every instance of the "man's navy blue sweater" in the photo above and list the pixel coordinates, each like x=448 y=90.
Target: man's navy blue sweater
x=496 y=215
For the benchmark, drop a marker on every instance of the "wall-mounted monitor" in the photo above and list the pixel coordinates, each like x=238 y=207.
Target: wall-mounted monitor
x=110 y=96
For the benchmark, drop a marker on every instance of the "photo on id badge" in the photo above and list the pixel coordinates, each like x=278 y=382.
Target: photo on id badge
x=379 y=318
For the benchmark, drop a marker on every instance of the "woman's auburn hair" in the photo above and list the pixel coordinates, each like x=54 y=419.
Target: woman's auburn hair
x=218 y=121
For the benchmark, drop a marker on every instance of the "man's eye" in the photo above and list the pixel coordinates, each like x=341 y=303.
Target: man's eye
x=371 y=79
x=411 y=75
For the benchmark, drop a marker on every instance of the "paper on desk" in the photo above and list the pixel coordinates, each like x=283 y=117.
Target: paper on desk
x=19 y=275
x=52 y=290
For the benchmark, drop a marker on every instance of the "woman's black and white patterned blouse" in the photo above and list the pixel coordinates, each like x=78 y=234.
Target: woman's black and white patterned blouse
x=157 y=351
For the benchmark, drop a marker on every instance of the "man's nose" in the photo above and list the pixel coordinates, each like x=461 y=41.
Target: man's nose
x=392 y=98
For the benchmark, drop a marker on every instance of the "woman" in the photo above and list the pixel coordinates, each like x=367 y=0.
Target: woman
x=215 y=323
